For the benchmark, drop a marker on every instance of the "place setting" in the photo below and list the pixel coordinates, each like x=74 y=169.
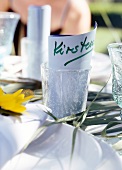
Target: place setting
x=51 y=117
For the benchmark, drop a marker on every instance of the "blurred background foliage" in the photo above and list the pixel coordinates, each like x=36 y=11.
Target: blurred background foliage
x=108 y=15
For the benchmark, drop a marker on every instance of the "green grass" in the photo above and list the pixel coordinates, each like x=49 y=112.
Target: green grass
x=109 y=7
x=108 y=34
x=104 y=36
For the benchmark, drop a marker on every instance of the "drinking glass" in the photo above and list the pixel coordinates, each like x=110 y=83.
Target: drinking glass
x=8 y=23
x=115 y=53
x=64 y=91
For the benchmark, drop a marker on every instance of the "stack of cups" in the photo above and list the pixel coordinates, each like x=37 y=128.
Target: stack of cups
x=34 y=47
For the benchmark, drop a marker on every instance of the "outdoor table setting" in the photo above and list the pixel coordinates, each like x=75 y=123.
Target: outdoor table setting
x=59 y=108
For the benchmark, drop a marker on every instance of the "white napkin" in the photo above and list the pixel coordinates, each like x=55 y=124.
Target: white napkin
x=14 y=135
x=52 y=150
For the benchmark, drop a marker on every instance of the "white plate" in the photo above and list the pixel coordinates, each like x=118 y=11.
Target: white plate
x=110 y=159
x=100 y=72
x=101 y=67
x=52 y=149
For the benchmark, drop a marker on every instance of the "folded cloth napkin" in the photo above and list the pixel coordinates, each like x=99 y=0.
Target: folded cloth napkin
x=15 y=134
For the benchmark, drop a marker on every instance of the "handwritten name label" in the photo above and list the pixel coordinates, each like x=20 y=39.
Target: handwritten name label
x=71 y=51
x=63 y=49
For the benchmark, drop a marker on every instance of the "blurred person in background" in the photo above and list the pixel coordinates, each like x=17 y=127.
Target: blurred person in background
x=68 y=16
x=72 y=16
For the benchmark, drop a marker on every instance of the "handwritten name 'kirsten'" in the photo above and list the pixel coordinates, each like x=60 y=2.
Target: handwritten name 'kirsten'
x=63 y=49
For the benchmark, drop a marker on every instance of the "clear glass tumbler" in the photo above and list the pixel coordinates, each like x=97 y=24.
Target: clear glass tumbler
x=115 y=53
x=8 y=23
x=64 y=91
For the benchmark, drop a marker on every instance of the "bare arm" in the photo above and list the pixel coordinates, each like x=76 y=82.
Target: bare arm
x=4 y=5
x=78 y=19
